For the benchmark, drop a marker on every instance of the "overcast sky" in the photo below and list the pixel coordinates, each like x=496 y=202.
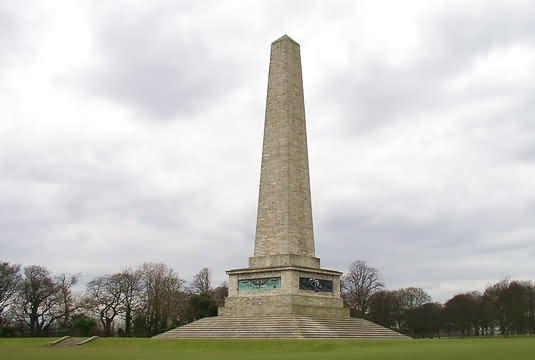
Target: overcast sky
x=131 y=132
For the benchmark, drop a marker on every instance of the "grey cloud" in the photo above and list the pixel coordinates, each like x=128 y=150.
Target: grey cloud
x=10 y=32
x=160 y=61
x=448 y=247
x=71 y=211
x=175 y=59
x=20 y=25
x=382 y=93
x=465 y=30
x=76 y=203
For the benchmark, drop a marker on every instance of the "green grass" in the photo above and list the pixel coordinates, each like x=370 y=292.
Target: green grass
x=138 y=349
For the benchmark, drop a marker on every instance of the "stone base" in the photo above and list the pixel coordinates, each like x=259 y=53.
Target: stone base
x=284 y=290
x=314 y=306
x=281 y=327
x=283 y=260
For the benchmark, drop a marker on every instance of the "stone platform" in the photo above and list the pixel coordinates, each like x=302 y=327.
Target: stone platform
x=284 y=292
x=281 y=327
x=281 y=290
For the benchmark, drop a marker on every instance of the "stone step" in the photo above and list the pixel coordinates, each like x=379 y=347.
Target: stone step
x=281 y=327
x=67 y=341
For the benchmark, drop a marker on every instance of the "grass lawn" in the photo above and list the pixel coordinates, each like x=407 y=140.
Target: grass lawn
x=134 y=349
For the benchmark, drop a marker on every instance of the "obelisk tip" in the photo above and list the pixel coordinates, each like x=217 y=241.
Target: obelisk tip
x=285 y=38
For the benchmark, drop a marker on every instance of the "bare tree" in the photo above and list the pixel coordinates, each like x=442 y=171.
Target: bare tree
x=425 y=320
x=391 y=308
x=462 y=310
x=131 y=287
x=494 y=296
x=382 y=307
x=161 y=294
x=39 y=299
x=358 y=285
x=220 y=293
x=106 y=299
x=514 y=305
x=201 y=281
x=9 y=280
x=412 y=297
x=66 y=298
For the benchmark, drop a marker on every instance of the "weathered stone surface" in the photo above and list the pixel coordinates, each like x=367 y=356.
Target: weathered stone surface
x=283 y=292
x=283 y=260
x=285 y=327
x=284 y=217
x=289 y=298
x=284 y=245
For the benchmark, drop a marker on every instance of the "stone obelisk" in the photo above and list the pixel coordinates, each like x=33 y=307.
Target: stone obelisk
x=284 y=233
x=283 y=293
x=284 y=276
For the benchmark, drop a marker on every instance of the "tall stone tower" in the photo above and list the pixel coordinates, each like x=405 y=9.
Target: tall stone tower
x=284 y=276
x=284 y=217
x=283 y=293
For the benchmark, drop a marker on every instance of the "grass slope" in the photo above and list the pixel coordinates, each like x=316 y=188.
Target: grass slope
x=139 y=349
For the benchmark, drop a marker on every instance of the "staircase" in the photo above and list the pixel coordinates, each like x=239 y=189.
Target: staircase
x=281 y=327
x=68 y=341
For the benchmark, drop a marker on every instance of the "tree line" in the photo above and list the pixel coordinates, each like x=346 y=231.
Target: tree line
x=134 y=302
x=152 y=298
x=506 y=307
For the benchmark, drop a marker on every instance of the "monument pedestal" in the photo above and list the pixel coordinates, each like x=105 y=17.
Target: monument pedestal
x=283 y=293
x=284 y=290
x=284 y=275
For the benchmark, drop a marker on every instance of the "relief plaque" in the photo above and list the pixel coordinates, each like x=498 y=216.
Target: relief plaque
x=257 y=284
x=317 y=285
